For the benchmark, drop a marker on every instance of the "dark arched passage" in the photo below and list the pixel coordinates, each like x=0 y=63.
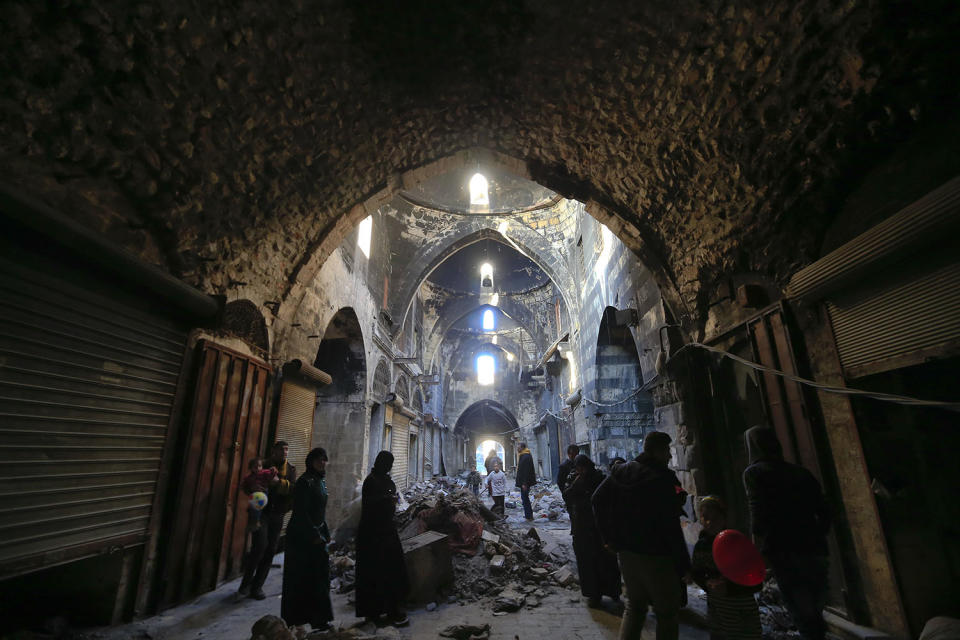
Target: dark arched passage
x=341 y=410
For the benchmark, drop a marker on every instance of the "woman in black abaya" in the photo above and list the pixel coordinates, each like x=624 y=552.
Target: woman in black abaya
x=381 y=573
x=306 y=565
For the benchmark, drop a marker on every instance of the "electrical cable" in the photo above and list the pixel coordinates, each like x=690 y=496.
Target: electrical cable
x=876 y=395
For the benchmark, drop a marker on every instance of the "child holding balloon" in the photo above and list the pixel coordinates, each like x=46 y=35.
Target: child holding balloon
x=257 y=481
x=731 y=605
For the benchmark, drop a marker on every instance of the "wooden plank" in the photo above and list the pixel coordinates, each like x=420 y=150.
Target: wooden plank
x=773 y=393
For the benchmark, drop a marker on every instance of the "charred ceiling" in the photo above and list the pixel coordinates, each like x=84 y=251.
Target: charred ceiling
x=223 y=141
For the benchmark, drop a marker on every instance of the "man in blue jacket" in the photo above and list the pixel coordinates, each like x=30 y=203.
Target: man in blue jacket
x=526 y=478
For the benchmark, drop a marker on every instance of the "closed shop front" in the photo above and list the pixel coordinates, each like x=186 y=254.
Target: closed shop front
x=91 y=354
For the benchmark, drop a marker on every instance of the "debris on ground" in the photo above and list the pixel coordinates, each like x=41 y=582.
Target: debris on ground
x=492 y=560
x=466 y=632
x=774 y=618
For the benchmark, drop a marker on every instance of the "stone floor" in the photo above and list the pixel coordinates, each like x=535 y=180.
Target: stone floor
x=219 y=615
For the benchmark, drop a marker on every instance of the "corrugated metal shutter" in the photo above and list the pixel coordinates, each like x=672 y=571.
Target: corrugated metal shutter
x=401 y=442
x=87 y=385
x=898 y=324
x=295 y=420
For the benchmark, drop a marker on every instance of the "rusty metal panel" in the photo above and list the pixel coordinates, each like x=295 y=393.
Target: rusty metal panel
x=87 y=384
x=773 y=393
x=249 y=430
x=226 y=423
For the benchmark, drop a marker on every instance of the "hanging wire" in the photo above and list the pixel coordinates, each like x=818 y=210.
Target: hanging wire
x=876 y=395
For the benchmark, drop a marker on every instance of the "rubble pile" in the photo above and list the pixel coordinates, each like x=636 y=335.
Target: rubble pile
x=491 y=559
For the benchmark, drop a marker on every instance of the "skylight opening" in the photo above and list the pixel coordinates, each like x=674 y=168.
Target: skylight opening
x=485 y=369
x=488 y=324
x=363 y=238
x=478 y=190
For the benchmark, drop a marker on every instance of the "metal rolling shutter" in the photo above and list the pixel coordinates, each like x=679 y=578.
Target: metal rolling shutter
x=401 y=442
x=295 y=421
x=87 y=385
x=898 y=324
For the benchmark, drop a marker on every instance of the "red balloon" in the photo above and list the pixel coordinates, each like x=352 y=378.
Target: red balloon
x=738 y=559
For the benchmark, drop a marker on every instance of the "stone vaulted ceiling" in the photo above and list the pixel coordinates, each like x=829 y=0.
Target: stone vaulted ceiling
x=222 y=139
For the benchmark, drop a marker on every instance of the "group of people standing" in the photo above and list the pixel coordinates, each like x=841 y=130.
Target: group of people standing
x=626 y=527
x=381 y=576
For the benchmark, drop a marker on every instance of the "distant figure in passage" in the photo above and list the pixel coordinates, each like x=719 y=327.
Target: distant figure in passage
x=497 y=487
x=526 y=478
x=789 y=521
x=264 y=545
x=492 y=458
x=599 y=574
x=382 y=582
x=306 y=566
x=567 y=466
x=637 y=514
x=732 y=607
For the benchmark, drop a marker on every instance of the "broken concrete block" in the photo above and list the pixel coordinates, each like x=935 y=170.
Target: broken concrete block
x=508 y=603
x=489 y=536
x=538 y=573
x=564 y=577
x=272 y=628
x=532 y=533
x=497 y=564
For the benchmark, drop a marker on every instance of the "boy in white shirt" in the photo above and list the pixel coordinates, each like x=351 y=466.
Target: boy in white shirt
x=497 y=487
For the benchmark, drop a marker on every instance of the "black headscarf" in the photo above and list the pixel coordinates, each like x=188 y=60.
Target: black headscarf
x=383 y=463
x=318 y=452
x=583 y=461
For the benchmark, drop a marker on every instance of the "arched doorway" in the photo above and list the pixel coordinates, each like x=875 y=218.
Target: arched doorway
x=484 y=421
x=341 y=410
x=620 y=427
x=484 y=449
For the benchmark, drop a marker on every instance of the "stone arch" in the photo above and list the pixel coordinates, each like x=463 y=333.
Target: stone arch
x=640 y=238
x=341 y=407
x=534 y=246
x=487 y=420
x=243 y=319
x=620 y=428
x=381 y=380
x=402 y=388
x=519 y=313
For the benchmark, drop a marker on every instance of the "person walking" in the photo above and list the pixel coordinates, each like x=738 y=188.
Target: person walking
x=596 y=566
x=789 y=521
x=306 y=566
x=265 y=538
x=526 y=478
x=497 y=487
x=492 y=458
x=637 y=516
x=381 y=573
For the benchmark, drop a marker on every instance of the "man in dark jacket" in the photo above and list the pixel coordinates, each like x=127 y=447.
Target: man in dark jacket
x=526 y=478
x=567 y=466
x=637 y=514
x=789 y=521
x=265 y=539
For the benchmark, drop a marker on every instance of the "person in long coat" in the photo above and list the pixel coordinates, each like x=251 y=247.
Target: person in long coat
x=306 y=566
x=597 y=567
x=381 y=574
